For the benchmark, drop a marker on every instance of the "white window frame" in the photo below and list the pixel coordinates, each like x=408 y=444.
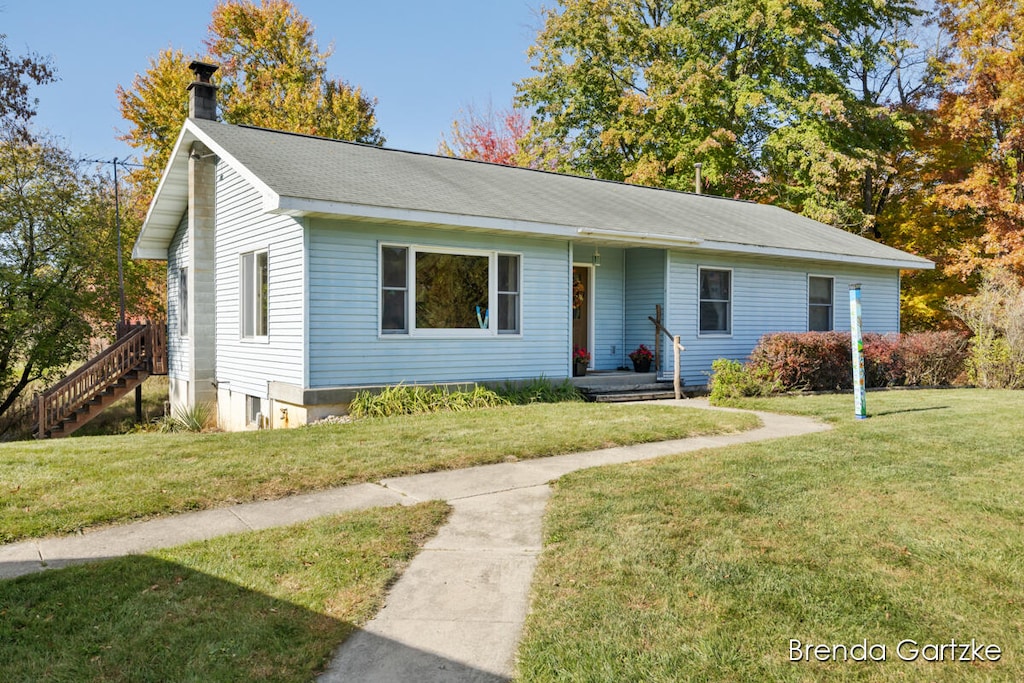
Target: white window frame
x=182 y=285
x=730 y=301
x=410 y=293
x=253 y=409
x=831 y=306
x=255 y=300
x=518 y=293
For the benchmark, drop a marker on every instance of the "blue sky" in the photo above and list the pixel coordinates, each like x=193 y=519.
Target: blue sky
x=422 y=59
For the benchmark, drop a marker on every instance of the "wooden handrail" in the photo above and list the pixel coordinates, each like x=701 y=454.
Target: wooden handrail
x=134 y=351
x=677 y=384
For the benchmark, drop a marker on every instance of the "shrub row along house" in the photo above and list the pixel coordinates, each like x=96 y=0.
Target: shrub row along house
x=301 y=268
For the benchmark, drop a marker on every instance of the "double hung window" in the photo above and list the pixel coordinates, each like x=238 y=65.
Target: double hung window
x=715 y=301
x=253 y=296
x=819 y=304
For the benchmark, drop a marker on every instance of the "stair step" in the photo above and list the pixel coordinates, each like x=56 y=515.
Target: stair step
x=623 y=396
x=98 y=403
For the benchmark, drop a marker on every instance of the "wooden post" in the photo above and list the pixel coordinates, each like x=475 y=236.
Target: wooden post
x=657 y=337
x=676 y=348
x=40 y=415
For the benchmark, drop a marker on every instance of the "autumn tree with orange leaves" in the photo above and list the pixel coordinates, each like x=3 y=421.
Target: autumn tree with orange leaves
x=273 y=73
x=982 y=108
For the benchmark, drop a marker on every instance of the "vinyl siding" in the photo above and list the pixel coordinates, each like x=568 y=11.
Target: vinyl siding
x=177 y=346
x=346 y=348
x=645 y=289
x=768 y=295
x=248 y=365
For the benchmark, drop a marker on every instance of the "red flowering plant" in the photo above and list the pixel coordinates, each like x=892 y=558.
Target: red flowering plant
x=641 y=354
x=580 y=355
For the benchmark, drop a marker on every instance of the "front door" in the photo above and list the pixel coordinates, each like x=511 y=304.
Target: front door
x=581 y=309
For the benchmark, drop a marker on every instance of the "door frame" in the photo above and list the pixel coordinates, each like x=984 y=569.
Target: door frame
x=591 y=299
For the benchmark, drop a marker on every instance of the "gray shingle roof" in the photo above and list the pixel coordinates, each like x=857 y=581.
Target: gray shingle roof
x=330 y=176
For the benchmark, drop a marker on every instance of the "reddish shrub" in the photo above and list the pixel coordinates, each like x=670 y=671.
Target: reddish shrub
x=883 y=364
x=934 y=358
x=821 y=361
x=809 y=361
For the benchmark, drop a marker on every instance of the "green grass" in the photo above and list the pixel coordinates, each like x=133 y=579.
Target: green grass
x=268 y=605
x=65 y=485
x=703 y=566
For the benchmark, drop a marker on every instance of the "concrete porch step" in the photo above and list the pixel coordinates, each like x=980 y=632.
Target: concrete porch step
x=623 y=396
x=621 y=385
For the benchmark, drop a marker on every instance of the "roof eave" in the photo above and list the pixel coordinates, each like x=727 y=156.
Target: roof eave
x=171 y=197
x=165 y=203
x=299 y=206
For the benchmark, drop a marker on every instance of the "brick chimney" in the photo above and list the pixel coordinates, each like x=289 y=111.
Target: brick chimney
x=202 y=101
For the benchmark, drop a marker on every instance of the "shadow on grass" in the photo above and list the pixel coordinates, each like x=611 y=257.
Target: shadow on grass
x=140 y=618
x=909 y=410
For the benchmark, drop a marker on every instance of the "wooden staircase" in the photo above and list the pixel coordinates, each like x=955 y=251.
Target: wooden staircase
x=139 y=352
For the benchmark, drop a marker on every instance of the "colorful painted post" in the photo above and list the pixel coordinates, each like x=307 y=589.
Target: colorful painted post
x=857 y=342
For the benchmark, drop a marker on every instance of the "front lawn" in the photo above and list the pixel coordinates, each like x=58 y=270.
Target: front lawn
x=705 y=566
x=62 y=486
x=267 y=605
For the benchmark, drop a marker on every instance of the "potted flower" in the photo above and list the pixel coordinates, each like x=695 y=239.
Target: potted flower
x=580 y=361
x=641 y=358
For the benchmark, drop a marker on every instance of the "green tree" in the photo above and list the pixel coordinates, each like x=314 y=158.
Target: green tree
x=273 y=74
x=640 y=90
x=156 y=106
x=837 y=159
x=52 y=233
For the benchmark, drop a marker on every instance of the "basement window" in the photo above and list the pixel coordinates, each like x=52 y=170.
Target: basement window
x=253 y=410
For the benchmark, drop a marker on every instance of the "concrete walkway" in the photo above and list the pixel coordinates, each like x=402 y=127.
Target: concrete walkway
x=457 y=611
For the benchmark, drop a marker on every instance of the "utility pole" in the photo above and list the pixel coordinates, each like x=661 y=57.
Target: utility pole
x=121 y=321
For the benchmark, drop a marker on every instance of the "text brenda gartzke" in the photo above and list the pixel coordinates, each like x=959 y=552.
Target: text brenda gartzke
x=906 y=650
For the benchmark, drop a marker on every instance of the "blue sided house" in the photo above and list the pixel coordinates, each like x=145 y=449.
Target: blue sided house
x=302 y=269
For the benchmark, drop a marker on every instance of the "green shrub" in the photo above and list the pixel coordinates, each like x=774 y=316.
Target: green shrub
x=732 y=379
x=194 y=419
x=995 y=315
x=410 y=400
x=540 y=390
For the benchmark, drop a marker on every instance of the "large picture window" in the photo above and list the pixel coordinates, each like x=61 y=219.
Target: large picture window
x=452 y=291
x=433 y=290
x=254 y=295
x=819 y=304
x=715 y=301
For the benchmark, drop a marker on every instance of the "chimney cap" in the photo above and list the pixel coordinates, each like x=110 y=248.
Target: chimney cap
x=202 y=70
